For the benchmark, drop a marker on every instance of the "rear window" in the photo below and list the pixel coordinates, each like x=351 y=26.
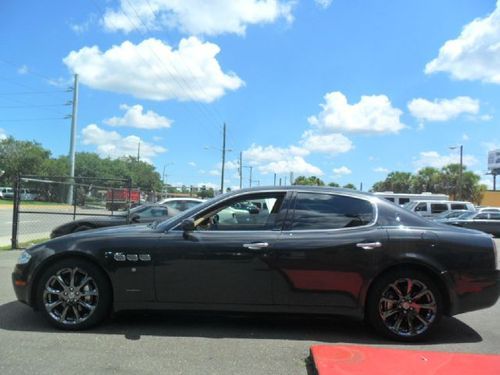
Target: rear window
x=458 y=206
x=328 y=211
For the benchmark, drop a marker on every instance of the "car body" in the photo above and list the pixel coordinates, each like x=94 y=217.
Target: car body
x=312 y=250
x=146 y=213
x=485 y=221
x=431 y=208
x=181 y=204
x=488 y=209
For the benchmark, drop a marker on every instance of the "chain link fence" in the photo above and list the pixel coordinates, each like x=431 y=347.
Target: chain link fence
x=41 y=203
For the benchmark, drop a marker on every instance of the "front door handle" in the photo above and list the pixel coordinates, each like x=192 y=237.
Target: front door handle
x=255 y=245
x=369 y=245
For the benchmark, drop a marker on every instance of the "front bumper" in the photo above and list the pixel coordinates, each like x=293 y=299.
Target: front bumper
x=475 y=290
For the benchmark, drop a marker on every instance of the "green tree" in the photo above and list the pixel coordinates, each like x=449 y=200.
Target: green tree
x=427 y=179
x=349 y=186
x=397 y=182
x=312 y=180
x=333 y=184
x=21 y=157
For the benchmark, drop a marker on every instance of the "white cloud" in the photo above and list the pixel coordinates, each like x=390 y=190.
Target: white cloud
x=271 y=159
x=154 y=70
x=323 y=3
x=380 y=170
x=134 y=117
x=334 y=143
x=434 y=159
x=372 y=114
x=196 y=17
x=60 y=82
x=23 y=69
x=114 y=145
x=442 y=109
x=474 y=54
x=192 y=164
x=157 y=138
x=214 y=172
x=487 y=181
x=465 y=137
x=3 y=134
x=341 y=171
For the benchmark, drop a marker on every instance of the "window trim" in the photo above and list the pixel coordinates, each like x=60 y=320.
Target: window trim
x=291 y=212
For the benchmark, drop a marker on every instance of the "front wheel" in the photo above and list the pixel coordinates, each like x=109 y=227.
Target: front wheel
x=74 y=294
x=405 y=305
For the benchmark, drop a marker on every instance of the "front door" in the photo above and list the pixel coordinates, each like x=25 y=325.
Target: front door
x=225 y=260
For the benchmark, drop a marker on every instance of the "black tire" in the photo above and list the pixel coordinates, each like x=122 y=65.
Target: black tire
x=408 y=315
x=75 y=305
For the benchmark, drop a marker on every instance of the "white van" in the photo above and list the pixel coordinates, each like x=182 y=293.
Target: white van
x=6 y=193
x=404 y=198
x=429 y=208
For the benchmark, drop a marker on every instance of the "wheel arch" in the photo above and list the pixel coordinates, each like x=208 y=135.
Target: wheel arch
x=56 y=258
x=428 y=270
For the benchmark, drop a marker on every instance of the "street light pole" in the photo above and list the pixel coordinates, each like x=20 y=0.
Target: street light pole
x=223 y=159
x=460 y=173
x=72 y=143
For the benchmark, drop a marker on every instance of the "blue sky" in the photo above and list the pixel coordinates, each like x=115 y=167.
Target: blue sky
x=346 y=90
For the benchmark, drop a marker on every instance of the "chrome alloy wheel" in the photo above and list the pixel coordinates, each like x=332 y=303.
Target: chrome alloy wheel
x=407 y=307
x=70 y=296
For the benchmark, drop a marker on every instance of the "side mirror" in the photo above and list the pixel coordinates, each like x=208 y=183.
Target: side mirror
x=188 y=225
x=135 y=218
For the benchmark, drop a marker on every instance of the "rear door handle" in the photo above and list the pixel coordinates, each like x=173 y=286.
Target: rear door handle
x=369 y=245
x=255 y=245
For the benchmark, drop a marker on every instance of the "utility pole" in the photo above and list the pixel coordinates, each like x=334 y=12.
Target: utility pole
x=250 y=178
x=223 y=159
x=241 y=169
x=72 y=141
x=461 y=171
x=291 y=178
x=275 y=179
x=139 y=151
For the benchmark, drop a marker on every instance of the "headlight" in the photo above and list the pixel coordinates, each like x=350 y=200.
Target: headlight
x=24 y=258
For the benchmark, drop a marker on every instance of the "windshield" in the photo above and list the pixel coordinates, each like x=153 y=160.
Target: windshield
x=467 y=215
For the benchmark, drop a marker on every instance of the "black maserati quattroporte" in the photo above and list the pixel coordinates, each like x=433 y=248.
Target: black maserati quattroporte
x=305 y=250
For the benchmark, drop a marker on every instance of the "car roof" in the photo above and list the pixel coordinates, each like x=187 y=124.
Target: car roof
x=304 y=188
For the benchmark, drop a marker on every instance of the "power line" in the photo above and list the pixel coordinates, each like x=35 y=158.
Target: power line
x=32 y=106
x=32 y=119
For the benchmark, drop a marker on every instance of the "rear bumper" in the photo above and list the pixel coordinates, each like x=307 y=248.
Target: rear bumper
x=474 y=290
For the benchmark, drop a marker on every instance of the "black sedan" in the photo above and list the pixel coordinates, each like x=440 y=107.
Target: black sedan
x=485 y=221
x=307 y=250
x=146 y=213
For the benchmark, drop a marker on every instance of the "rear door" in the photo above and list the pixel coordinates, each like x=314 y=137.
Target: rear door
x=328 y=243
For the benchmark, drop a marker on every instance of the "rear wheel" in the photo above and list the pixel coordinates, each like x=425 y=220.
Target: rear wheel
x=74 y=294
x=405 y=305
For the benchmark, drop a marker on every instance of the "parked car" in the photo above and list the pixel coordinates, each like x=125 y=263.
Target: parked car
x=431 y=208
x=315 y=250
x=181 y=204
x=488 y=209
x=146 y=213
x=485 y=221
x=449 y=215
x=6 y=193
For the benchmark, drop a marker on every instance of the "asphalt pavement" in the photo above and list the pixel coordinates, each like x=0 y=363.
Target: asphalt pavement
x=202 y=343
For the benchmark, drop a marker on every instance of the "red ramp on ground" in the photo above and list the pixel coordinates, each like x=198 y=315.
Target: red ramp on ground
x=351 y=359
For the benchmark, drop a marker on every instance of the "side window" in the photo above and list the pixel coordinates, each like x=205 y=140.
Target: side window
x=404 y=200
x=243 y=213
x=327 y=211
x=437 y=208
x=482 y=216
x=390 y=199
x=458 y=206
x=421 y=207
x=494 y=215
